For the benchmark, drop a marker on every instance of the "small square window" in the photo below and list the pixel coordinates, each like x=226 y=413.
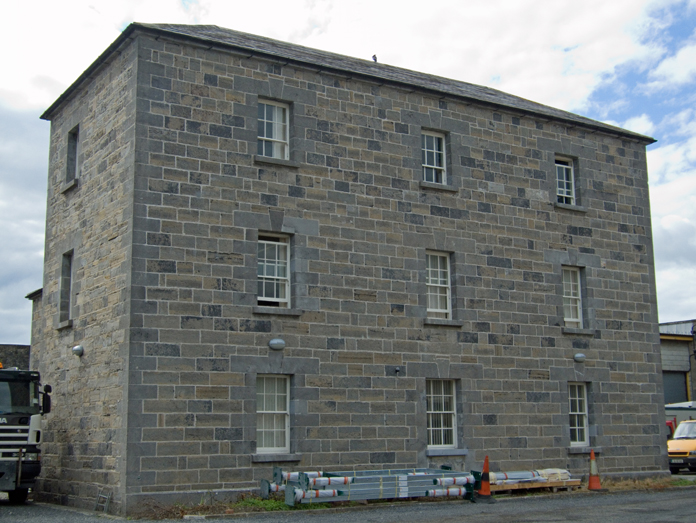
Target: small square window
x=565 y=181
x=433 y=158
x=442 y=413
x=577 y=396
x=273 y=271
x=438 y=285
x=273 y=130
x=572 y=298
x=272 y=414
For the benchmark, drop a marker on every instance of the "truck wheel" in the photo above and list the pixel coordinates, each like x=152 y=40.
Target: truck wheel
x=18 y=496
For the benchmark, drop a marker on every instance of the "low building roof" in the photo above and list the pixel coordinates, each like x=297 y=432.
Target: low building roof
x=678 y=328
x=227 y=38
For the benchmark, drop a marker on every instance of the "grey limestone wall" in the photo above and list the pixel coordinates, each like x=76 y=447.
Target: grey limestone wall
x=84 y=435
x=359 y=220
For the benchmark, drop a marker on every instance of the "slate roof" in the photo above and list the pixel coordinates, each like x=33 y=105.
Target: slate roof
x=227 y=38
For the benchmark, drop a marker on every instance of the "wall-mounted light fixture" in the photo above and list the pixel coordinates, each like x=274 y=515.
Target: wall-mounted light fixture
x=277 y=344
x=579 y=358
x=78 y=350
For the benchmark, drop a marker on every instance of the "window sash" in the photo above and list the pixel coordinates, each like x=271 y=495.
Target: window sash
x=577 y=398
x=65 y=297
x=73 y=159
x=572 y=298
x=441 y=413
x=272 y=414
x=273 y=130
x=565 y=182
x=433 y=158
x=439 y=292
x=273 y=271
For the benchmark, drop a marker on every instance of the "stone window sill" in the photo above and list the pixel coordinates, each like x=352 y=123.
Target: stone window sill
x=67 y=324
x=277 y=311
x=446 y=452
x=578 y=332
x=442 y=322
x=275 y=161
x=67 y=186
x=438 y=187
x=275 y=458
x=568 y=207
x=584 y=450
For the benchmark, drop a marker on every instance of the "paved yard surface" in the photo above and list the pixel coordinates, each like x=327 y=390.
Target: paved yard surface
x=674 y=506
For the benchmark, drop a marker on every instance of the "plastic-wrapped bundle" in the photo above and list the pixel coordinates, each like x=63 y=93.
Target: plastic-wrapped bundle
x=453 y=491
x=274 y=487
x=463 y=480
x=294 y=476
x=323 y=482
x=307 y=494
x=554 y=474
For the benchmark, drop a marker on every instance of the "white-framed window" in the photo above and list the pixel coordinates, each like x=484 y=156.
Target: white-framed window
x=73 y=158
x=442 y=413
x=273 y=271
x=433 y=154
x=437 y=277
x=273 y=130
x=572 y=298
x=565 y=181
x=577 y=397
x=65 y=296
x=272 y=414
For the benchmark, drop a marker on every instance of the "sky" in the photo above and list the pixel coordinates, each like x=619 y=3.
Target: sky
x=630 y=63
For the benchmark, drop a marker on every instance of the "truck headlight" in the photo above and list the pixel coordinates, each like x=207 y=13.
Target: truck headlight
x=31 y=456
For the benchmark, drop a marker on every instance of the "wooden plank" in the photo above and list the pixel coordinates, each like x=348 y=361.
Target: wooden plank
x=536 y=484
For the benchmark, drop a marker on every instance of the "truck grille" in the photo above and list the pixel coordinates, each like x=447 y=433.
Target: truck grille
x=12 y=437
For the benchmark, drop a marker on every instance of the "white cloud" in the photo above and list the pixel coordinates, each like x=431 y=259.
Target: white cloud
x=675 y=70
x=640 y=124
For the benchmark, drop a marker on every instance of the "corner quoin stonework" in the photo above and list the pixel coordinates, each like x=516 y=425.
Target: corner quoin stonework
x=163 y=223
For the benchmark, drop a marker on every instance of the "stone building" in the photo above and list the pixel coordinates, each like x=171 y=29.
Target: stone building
x=273 y=255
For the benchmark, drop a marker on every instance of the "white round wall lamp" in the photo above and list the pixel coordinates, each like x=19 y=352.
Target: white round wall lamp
x=78 y=350
x=277 y=344
x=579 y=358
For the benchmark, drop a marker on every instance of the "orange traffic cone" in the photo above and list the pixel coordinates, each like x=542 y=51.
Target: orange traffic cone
x=484 y=493
x=594 y=474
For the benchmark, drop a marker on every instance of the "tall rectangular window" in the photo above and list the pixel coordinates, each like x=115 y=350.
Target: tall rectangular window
x=577 y=396
x=272 y=414
x=73 y=160
x=572 y=298
x=65 y=297
x=565 y=181
x=433 y=155
x=441 y=412
x=273 y=130
x=438 y=285
x=273 y=271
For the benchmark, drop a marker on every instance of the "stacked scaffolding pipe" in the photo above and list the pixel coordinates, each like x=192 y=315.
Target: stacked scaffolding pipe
x=452 y=491
x=365 y=485
x=460 y=480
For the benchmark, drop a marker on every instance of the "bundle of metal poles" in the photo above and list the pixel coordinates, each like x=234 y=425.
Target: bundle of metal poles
x=301 y=487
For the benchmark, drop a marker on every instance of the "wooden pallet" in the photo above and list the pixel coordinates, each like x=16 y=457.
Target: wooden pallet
x=555 y=486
